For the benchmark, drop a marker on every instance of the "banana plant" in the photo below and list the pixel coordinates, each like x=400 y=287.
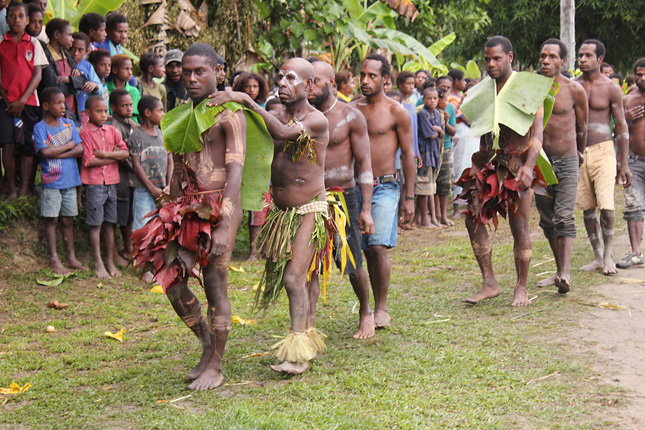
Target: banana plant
x=73 y=10
x=435 y=49
x=471 y=71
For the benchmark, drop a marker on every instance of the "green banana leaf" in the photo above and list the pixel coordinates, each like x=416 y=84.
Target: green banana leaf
x=73 y=10
x=472 y=70
x=549 y=102
x=182 y=129
x=543 y=162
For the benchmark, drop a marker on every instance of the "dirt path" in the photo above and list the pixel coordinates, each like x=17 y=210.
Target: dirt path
x=616 y=337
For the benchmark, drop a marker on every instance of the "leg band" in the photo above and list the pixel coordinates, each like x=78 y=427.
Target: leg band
x=218 y=322
x=607 y=231
x=525 y=255
x=593 y=237
x=481 y=249
x=589 y=214
x=194 y=319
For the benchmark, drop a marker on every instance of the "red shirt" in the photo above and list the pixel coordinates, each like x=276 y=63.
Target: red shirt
x=17 y=63
x=104 y=138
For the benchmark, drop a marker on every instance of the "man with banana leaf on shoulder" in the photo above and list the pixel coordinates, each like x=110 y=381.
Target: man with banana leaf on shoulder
x=296 y=238
x=506 y=110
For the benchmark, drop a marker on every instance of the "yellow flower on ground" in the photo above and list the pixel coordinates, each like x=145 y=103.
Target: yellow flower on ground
x=15 y=388
x=118 y=335
x=241 y=321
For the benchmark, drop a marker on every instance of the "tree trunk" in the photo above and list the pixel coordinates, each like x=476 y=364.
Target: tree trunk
x=568 y=30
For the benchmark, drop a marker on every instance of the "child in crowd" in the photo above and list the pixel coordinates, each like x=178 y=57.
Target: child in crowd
x=4 y=27
x=152 y=66
x=42 y=5
x=58 y=144
x=102 y=149
x=395 y=95
x=116 y=31
x=35 y=26
x=92 y=86
x=445 y=177
x=121 y=107
x=431 y=133
x=62 y=72
x=120 y=77
x=102 y=64
x=21 y=59
x=93 y=24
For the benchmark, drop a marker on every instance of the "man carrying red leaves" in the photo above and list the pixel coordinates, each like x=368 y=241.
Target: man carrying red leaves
x=196 y=226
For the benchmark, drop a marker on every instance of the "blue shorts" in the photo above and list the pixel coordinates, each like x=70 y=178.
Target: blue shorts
x=385 y=209
x=100 y=204
x=142 y=204
x=55 y=202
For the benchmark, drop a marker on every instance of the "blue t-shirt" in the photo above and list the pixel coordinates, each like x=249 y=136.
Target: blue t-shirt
x=81 y=96
x=412 y=110
x=58 y=173
x=447 y=140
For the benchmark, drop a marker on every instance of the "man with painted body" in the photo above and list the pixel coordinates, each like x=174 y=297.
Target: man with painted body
x=348 y=155
x=634 y=105
x=389 y=128
x=565 y=137
x=517 y=156
x=296 y=183
x=599 y=172
x=218 y=166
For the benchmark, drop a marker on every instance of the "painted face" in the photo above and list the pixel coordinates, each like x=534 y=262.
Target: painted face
x=371 y=79
x=640 y=78
x=291 y=87
x=124 y=107
x=98 y=113
x=17 y=19
x=119 y=34
x=124 y=71
x=252 y=88
x=407 y=88
x=103 y=67
x=199 y=77
x=56 y=106
x=156 y=114
x=430 y=99
x=498 y=62
x=420 y=78
x=78 y=50
x=98 y=35
x=550 y=61
x=173 y=71
x=35 y=25
x=587 y=59
x=64 y=38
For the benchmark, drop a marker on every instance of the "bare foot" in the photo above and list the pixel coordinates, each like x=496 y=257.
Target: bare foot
x=75 y=264
x=148 y=278
x=208 y=380
x=365 y=327
x=547 y=282
x=290 y=368
x=112 y=270
x=483 y=294
x=521 y=297
x=381 y=318
x=120 y=260
x=57 y=267
x=563 y=284
x=251 y=257
x=100 y=271
x=127 y=255
x=609 y=268
x=446 y=221
x=409 y=226
x=594 y=265
x=201 y=366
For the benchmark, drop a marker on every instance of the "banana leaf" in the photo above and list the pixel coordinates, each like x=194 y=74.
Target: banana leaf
x=543 y=162
x=182 y=129
x=73 y=10
x=472 y=70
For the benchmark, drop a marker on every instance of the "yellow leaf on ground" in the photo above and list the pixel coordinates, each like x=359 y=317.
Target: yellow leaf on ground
x=257 y=354
x=118 y=335
x=157 y=289
x=241 y=321
x=14 y=388
x=236 y=269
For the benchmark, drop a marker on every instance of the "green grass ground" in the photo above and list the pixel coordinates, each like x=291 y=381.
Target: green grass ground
x=442 y=364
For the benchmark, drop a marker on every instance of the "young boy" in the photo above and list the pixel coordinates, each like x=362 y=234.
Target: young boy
x=151 y=66
x=62 y=73
x=21 y=59
x=120 y=77
x=116 y=29
x=78 y=52
x=445 y=177
x=102 y=64
x=93 y=24
x=58 y=144
x=151 y=163
x=102 y=149
x=121 y=106
x=35 y=26
x=431 y=134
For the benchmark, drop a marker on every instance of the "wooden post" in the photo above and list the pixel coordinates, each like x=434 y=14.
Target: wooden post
x=568 y=30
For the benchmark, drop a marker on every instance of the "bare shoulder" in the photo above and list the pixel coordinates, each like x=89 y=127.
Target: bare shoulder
x=359 y=103
x=576 y=88
x=396 y=109
x=632 y=99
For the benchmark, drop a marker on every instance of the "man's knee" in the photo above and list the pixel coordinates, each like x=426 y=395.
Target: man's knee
x=293 y=280
x=589 y=214
x=218 y=323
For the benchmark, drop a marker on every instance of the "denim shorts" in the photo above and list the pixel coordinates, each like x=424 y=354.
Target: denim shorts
x=100 y=204
x=635 y=193
x=385 y=208
x=142 y=204
x=55 y=202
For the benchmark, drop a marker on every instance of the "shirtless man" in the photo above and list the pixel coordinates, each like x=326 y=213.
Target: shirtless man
x=598 y=171
x=565 y=136
x=348 y=155
x=515 y=158
x=217 y=166
x=389 y=128
x=634 y=105
x=298 y=183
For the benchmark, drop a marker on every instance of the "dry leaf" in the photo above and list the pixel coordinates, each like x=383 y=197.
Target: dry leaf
x=174 y=400
x=241 y=321
x=118 y=336
x=257 y=354
x=55 y=304
x=14 y=388
x=237 y=269
x=157 y=289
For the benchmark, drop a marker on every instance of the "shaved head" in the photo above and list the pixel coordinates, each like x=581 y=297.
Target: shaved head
x=323 y=70
x=302 y=67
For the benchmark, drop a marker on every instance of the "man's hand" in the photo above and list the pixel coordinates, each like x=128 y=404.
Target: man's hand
x=419 y=162
x=90 y=86
x=408 y=210
x=524 y=178
x=218 y=241
x=156 y=192
x=75 y=73
x=16 y=107
x=366 y=223
x=221 y=97
x=634 y=113
x=624 y=176
x=98 y=153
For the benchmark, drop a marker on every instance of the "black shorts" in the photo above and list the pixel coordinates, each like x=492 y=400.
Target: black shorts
x=19 y=130
x=353 y=233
